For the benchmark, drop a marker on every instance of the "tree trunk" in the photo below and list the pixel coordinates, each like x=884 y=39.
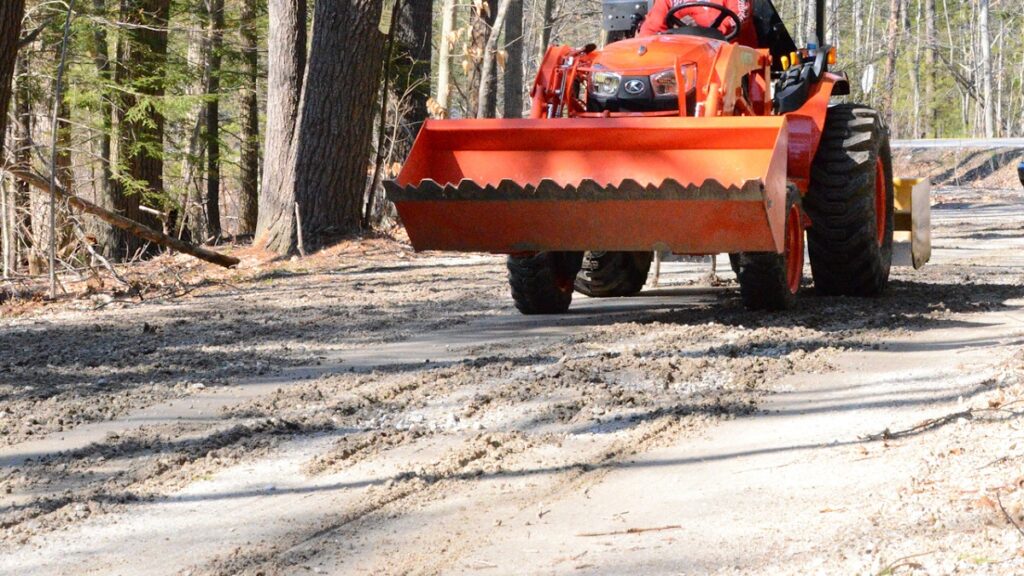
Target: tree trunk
x=101 y=58
x=411 y=72
x=931 y=115
x=858 y=30
x=286 y=60
x=336 y=122
x=215 y=45
x=487 y=71
x=40 y=198
x=250 y=153
x=545 y=29
x=444 y=58
x=11 y=13
x=142 y=56
x=513 y=79
x=21 y=203
x=915 y=76
x=892 y=52
x=192 y=222
x=483 y=19
x=986 y=68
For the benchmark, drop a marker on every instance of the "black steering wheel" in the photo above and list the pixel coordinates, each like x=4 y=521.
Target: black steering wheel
x=673 y=21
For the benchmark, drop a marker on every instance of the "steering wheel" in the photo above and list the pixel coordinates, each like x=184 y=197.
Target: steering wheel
x=673 y=21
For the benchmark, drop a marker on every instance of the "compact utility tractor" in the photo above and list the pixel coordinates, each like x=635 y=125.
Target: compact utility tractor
x=690 y=141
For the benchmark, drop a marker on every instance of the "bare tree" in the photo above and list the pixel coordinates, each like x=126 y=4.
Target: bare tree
x=141 y=56
x=986 y=68
x=484 y=12
x=444 y=54
x=892 y=52
x=100 y=47
x=485 y=107
x=286 y=61
x=547 y=17
x=414 y=38
x=11 y=13
x=335 y=122
x=215 y=47
x=513 y=79
x=324 y=172
x=931 y=114
x=250 y=153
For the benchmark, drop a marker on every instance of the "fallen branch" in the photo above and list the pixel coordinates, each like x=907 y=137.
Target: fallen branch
x=1007 y=515
x=933 y=423
x=126 y=224
x=929 y=424
x=630 y=531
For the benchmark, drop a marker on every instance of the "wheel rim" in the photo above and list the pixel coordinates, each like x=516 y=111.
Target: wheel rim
x=794 y=249
x=880 y=201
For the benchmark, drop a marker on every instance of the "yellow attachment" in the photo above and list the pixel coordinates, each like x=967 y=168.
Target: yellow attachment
x=785 y=62
x=832 y=56
x=912 y=235
x=794 y=58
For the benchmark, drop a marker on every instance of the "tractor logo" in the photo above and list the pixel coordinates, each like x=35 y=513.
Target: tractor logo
x=634 y=87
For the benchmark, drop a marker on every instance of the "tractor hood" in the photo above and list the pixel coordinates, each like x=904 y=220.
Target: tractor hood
x=649 y=54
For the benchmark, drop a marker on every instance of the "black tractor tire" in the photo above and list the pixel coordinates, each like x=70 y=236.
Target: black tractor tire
x=610 y=274
x=734 y=262
x=763 y=276
x=543 y=283
x=850 y=250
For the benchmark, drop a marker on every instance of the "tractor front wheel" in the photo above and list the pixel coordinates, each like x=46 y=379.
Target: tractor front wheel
x=770 y=281
x=850 y=204
x=609 y=274
x=543 y=282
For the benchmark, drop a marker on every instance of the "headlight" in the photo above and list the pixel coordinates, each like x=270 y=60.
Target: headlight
x=664 y=83
x=603 y=83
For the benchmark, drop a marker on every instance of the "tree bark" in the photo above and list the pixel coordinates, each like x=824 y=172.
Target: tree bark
x=215 y=45
x=986 y=68
x=286 y=59
x=250 y=153
x=336 y=122
x=192 y=221
x=892 y=52
x=487 y=70
x=21 y=203
x=444 y=59
x=412 y=69
x=513 y=79
x=915 y=76
x=101 y=59
x=483 y=19
x=545 y=28
x=931 y=115
x=11 y=13
x=142 y=56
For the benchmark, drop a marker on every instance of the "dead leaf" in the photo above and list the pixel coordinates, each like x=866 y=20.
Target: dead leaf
x=986 y=502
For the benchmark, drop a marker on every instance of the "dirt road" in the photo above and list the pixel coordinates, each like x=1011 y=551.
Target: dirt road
x=371 y=411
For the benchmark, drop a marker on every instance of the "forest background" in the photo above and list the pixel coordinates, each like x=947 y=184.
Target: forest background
x=217 y=120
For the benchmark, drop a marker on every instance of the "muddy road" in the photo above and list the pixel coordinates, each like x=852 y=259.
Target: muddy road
x=373 y=411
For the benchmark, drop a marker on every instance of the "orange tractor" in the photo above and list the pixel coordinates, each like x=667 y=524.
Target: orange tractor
x=687 y=141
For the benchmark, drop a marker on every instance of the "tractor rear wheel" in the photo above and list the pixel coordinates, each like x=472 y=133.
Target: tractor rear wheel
x=543 y=283
x=734 y=262
x=850 y=204
x=607 y=274
x=770 y=281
